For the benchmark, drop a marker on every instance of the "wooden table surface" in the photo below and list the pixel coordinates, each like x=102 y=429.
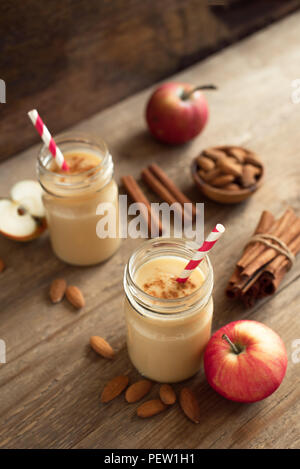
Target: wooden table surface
x=51 y=382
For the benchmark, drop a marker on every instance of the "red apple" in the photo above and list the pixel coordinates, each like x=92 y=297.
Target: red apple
x=177 y=112
x=245 y=361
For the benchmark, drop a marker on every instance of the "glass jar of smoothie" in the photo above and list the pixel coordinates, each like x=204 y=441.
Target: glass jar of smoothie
x=72 y=199
x=168 y=323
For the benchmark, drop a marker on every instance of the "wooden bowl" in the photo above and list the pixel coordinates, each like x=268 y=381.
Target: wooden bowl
x=221 y=195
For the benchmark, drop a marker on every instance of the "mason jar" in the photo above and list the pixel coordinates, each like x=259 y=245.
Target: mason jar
x=74 y=202
x=166 y=337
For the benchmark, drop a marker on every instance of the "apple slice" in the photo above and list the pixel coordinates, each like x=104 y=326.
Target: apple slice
x=29 y=194
x=22 y=217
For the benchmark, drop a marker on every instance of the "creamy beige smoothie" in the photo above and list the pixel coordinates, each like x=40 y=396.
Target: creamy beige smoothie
x=169 y=328
x=72 y=199
x=78 y=162
x=157 y=277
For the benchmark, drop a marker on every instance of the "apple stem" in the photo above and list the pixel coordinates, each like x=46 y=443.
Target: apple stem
x=187 y=94
x=233 y=346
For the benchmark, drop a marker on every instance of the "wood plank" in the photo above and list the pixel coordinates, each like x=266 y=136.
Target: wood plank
x=89 y=55
x=51 y=383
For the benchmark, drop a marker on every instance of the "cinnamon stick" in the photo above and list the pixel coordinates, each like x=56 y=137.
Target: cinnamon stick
x=161 y=190
x=265 y=224
x=171 y=187
x=294 y=246
x=138 y=196
x=250 y=297
x=276 y=270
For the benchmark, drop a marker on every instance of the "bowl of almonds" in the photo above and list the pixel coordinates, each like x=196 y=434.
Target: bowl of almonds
x=227 y=174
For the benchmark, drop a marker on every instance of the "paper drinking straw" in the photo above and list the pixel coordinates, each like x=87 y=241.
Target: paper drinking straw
x=211 y=239
x=47 y=139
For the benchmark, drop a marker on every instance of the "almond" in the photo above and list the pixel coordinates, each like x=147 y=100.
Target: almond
x=207 y=176
x=189 y=404
x=221 y=181
x=57 y=290
x=75 y=297
x=230 y=166
x=238 y=153
x=205 y=163
x=150 y=408
x=232 y=187
x=252 y=158
x=167 y=394
x=2 y=265
x=214 y=153
x=114 y=388
x=100 y=346
x=249 y=175
x=138 y=390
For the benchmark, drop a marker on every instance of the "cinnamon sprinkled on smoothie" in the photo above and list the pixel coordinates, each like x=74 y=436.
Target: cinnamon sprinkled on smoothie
x=169 y=289
x=157 y=277
x=78 y=162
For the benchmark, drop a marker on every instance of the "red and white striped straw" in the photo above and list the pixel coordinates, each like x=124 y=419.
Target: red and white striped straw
x=47 y=139
x=211 y=239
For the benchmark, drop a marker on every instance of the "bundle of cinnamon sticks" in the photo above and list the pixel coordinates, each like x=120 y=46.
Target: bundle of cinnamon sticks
x=266 y=258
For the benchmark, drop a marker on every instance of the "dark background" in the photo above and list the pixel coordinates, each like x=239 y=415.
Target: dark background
x=70 y=59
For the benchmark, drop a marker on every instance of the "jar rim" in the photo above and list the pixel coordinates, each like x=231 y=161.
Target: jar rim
x=185 y=304
x=83 y=179
x=78 y=137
